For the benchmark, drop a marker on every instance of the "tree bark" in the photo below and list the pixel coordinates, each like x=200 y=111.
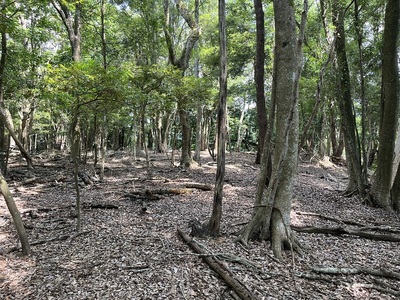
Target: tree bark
x=395 y=192
x=389 y=106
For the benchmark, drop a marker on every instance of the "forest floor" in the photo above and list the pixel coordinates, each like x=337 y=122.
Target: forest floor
x=128 y=251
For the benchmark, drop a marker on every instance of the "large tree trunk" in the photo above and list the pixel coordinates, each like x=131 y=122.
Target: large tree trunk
x=346 y=104
x=390 y=106
x=272 y=217
x=215 y=220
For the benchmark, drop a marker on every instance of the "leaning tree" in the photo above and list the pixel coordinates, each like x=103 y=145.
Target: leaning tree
x=271 y=215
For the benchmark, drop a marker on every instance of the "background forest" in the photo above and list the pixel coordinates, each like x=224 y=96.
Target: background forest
x=289 y=81
x=139 y=75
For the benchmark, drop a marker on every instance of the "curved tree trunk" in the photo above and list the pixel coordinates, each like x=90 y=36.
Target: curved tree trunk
x=346 y=105
x=182 y=64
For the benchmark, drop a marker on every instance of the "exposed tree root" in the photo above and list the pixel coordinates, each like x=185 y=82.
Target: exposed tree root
x=282 y=236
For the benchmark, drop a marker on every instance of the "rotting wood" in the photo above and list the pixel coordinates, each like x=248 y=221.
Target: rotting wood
x=241 y=290
x=355 y=271
x=342 y=230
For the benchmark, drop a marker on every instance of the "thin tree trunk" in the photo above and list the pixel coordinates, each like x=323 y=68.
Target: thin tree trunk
x=262 y=120
x=199 y=114
x=5 y=116
x=72 y=23
x=103 y=123
x=215 y=220
x=16 y=216
x=240 y=125
x=3 y=137
x=364 y=104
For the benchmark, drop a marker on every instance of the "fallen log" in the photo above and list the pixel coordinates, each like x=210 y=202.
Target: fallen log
x=177 y=191
x=153 y=194
x=355 y=271
x=342 y=230
x=241 y=290
x=100 y=206
x=199 y=186
x=141 y=196
x=348 y=222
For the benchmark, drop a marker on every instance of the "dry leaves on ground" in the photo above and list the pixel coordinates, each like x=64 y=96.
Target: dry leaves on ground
x=127 y=252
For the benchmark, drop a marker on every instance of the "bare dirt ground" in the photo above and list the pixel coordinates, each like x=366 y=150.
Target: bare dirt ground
x=125 y=253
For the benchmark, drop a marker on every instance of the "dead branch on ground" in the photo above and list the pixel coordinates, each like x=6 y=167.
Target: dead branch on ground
x=100 y=206
x=241 y=290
